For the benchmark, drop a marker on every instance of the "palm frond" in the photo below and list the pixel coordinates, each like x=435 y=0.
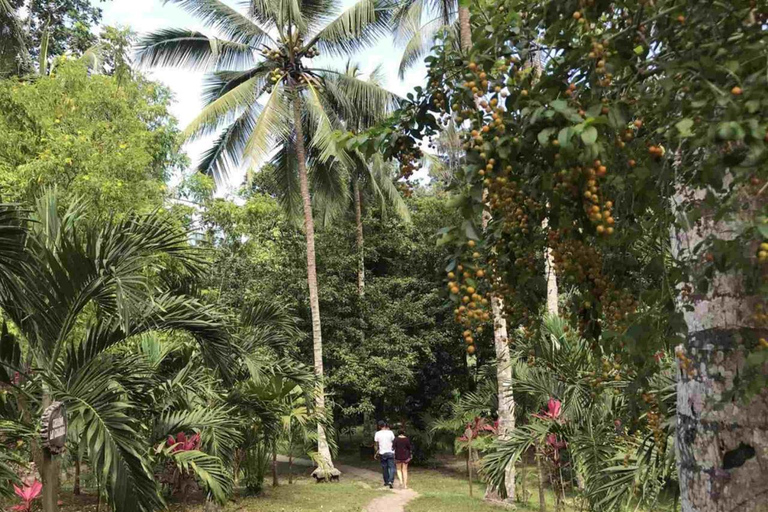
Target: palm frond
x=218 y=83
x=380 y=176
x=13 y=231
x=227 y=150
x=271 y=126
x=259 y=314
x=98 y=409
x=494 y=464
x=229 y=22
x=418 y=46
x=208 y=469
x=323 y=139
x=284 y=170
x=218 y=426
x=224 y=108
x=365 y=101
x=191 y=49
x=354 y=29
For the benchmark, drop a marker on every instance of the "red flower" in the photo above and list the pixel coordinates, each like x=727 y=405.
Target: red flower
x=556 y=446
x=476 y=427
x=552 y=412
x=182 y=443
x=27 y=493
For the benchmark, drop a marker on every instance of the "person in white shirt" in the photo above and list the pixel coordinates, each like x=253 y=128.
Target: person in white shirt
x=385 y=452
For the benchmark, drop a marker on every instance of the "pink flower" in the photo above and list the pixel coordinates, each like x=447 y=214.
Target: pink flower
x=27 y=493
x=552 y=412
x=478 y=426
x=182 y=443
x=556 y=446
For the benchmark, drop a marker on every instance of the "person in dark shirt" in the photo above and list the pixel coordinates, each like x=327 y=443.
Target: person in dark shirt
x=402 y=457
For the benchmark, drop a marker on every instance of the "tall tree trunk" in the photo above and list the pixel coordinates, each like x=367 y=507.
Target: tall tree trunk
x=722 y=444
x=540 y=471
x=465 y=28
x=49 y=472
x=76 y=485
x=325 y=469
x=275 y=481
x=359 y=233
x=469 y=465
x=506 y=399
x=549 y=272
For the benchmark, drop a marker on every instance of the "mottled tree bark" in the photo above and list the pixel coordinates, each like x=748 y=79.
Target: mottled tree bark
x=722 y=444
x=325 y=469
x=49 y=472
x=549 y=272
x=359 y=235
x=506 y=409
x=465 y=28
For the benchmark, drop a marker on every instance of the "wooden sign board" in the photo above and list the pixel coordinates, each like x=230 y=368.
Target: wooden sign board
x=54 y=427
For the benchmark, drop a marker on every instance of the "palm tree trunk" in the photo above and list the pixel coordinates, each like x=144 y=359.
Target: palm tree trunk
x=76 y=485
x=465 y=28
x=326 y=469
x=49 y=472
x=359 y=232
x=523 y=481
x=469 y=465
x=275 y=481
x=549 y=272
x=540 y=471
x=720 y=443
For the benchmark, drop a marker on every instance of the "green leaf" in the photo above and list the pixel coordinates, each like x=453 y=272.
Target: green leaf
x=559 y=105
x=684 y=127
x=589 y=135
x=564 y=137
x=469 y=231
x=616 y=119
x=544 y=135
x=639 y=49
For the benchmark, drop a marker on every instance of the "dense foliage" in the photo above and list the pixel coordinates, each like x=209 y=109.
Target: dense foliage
x=391 y=354
x=94 y=136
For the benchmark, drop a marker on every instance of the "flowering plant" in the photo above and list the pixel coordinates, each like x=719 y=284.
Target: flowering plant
x=27 y=493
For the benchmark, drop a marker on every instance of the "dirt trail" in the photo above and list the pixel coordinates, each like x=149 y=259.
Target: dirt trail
x=393 y=501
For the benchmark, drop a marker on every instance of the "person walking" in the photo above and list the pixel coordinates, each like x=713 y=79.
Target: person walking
x=385 y=452
x=402 y=457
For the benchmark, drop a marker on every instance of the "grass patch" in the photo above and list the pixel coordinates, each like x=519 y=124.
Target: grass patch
x=304 y=495
x=447 y=489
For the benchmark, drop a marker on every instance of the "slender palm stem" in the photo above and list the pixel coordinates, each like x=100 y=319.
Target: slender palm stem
x=314 y=302
x=359 y=232
x=465 y=28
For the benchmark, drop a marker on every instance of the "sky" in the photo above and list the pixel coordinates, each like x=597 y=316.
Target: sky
x=144 y=16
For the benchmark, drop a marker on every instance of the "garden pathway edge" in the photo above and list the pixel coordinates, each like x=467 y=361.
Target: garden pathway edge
x=393 y=501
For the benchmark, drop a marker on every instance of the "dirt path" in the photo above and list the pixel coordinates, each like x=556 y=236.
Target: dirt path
x=393 y=501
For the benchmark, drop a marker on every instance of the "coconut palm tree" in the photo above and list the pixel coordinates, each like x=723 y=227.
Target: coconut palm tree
x=278 y=103
x=374 y=178
x=77 y=290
